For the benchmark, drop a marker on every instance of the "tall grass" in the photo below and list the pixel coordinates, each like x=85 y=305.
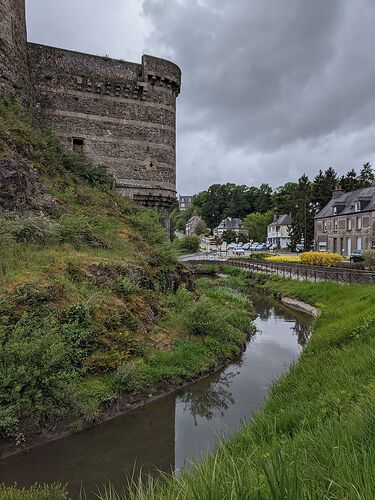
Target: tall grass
x=315 y=438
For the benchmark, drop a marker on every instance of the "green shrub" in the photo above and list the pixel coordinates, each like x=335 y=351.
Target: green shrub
x=45 y=492
x=35 y=374
x=127 y=377
x=78 y=332
x=84 y=169
x=123 y=286
x=38 y=229
x=204 y=318
x=187 y=244
x=369 y=256
x=78 y=231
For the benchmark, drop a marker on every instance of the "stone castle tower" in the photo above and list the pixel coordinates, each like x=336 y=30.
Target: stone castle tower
x=120 y=114
x=14 y=71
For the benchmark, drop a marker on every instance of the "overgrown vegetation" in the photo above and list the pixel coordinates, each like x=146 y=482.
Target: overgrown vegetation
x=186 y=245
x=314 y=439
x=93 y=303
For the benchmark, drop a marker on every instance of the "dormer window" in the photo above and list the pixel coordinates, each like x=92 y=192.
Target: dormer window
x=334 y=210
x=357 y=206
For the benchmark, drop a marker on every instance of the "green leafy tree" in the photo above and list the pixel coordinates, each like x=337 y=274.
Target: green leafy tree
x=366 y=176
x=303 y=214
x=256 y=225
x=201 y=228
x=229 y=236
x=284 y=198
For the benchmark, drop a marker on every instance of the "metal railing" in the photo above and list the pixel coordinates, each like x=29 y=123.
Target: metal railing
x=299 y=271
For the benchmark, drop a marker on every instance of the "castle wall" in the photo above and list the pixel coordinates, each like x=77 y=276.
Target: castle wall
x=14 y=73
x=124 y=112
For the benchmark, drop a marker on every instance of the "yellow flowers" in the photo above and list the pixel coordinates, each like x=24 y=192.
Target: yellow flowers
x=283 y=258
x=310 y=258
x=320 y=258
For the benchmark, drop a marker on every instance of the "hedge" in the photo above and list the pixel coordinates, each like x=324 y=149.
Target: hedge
x=321 y=259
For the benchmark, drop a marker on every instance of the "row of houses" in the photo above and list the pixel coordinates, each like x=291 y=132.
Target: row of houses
x=345 y=224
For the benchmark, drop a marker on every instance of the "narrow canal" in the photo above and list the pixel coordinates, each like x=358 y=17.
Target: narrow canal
x=168 y=433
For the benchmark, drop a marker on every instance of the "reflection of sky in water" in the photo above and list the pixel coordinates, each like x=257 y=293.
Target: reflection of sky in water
x=217 y=406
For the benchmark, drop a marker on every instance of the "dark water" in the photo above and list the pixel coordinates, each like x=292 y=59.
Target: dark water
x=165 y=434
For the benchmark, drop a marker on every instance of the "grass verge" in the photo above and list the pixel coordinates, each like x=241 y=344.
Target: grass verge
x=315 y=437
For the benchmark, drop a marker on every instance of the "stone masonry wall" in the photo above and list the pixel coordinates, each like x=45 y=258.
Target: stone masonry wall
x=14 y=72
x=124 y=112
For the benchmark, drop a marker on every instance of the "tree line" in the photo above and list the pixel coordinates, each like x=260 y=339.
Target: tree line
x=257 y=205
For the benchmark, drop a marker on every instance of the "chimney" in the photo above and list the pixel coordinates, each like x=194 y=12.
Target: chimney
x=337 y=192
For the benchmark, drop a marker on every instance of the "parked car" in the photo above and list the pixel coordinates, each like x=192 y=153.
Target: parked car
x=272 y=246
x=357 y=256
x=238 y=251
x=254 y=245
x=246 y=246
x=261 y=247
x=299 y=248
x=231 y=246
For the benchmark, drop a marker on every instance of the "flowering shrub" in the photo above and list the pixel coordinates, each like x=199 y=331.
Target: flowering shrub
x=321 y=258
x=283 y=258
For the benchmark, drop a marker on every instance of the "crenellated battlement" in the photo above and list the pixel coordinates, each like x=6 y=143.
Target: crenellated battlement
x=121 y=114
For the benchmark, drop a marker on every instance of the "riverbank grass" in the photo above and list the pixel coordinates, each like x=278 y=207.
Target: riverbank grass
x=315 y=438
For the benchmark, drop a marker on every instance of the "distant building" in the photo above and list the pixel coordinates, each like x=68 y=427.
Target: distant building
x=193 y=224
x=278 y=231
x=184 y=202
x=347 y=222
x=228 y=224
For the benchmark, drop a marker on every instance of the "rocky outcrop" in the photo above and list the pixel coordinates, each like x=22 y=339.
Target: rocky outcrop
x=20 y=188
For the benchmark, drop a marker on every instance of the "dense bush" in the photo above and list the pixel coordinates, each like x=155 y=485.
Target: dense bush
x=38 y=229
x=45 y=492
x=80 y=166
x=187 y=244
x=321 y=259
x=369 y=256
x=35 y=373
x=78 y=230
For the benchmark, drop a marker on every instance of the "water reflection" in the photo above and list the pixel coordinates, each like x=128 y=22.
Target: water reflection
x=214 y=400
x=303 y=332
x=166 y=434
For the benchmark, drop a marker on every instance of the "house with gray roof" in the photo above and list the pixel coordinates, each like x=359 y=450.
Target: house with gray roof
x=228 y=224
x=347 y=222
x=278 y=231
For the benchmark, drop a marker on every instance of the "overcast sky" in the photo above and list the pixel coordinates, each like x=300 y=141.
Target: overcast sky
x=271 y=89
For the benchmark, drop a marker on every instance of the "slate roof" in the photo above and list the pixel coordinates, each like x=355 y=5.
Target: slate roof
x=230 y=223
x=345 y=203
x=282 y=220
x=186 y=199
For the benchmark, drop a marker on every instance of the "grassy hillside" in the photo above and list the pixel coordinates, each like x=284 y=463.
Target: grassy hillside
x=315 y=437
x=89 y=312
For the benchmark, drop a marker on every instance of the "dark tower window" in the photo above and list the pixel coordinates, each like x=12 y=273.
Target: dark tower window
x=78 y=144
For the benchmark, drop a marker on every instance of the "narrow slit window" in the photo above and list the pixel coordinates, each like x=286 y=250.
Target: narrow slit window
x=78 y=144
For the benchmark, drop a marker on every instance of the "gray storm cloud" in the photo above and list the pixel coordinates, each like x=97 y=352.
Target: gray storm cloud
x=271 y=89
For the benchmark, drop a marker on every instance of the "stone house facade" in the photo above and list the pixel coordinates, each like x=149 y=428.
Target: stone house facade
x=346 y=223
x=184 y=202
x=228 y=224
x=193 y=224
x=278 y=231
